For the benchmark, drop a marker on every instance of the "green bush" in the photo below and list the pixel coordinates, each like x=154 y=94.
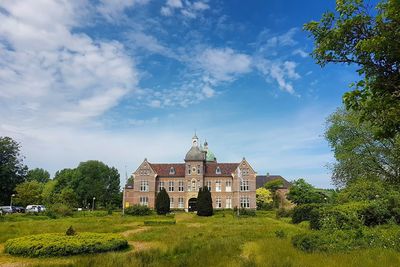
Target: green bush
x=204 y=202
x=58 y=210
x=247 y=212
x=138 y=210
x=159 y=222
x=280 y=233
x=70 y=231
x=162 y=202
x=282 y=212
x=303 y=212
x=53 y=245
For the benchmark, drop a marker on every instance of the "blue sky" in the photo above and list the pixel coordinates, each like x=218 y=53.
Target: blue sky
x=119 y=81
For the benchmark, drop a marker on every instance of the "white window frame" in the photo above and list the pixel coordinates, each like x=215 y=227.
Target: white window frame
x=171 y=186
x=218 y=170
x=161 y=186
x=218 y=186
x=144 y=201
x=244 y=202
x=181 y=202
x=228 y=186
x=193 y=184
x=144 y=186
x=171 y=202
x=218 y=203
x=228 y=203
x=172 y=171
x=209 y=185
x=181 y=185
x=244 y=185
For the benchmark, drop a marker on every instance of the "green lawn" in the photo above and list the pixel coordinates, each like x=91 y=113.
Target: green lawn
x=221 y=240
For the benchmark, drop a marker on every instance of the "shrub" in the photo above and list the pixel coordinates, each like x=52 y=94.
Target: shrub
x=204 y=202
x=162 y=202
x=138 y=210
x=58 y=210
x=282 y=212
x=70 y=231
x=280 y=234
x=247 y=212
x=303 y=212
x=375 y=213
x=53 y=245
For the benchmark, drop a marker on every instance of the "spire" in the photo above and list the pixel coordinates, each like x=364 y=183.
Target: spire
x=195 y=140
x=205 y=145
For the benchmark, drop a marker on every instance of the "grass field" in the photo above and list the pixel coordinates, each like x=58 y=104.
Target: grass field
x=221 y=240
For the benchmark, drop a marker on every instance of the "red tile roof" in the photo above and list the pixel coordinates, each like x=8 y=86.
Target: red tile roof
x=163 y=169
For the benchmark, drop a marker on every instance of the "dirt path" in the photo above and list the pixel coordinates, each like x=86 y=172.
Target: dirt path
x=134 y=231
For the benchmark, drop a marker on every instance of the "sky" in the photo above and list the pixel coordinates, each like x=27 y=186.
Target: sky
x=123 y=80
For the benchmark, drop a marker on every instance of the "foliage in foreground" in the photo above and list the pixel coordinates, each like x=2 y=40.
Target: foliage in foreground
x=51 y=245
x=162 y=202
x=138 y=210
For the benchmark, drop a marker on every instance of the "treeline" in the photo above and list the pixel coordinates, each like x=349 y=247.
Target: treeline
x=70 y=187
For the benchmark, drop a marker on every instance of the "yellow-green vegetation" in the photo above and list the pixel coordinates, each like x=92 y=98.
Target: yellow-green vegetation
x=56 y=244
x=219 y=240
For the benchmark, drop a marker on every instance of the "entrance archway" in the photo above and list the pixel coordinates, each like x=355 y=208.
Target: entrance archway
x=192 y=204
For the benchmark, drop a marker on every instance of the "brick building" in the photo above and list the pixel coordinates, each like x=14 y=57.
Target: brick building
x=231 y=184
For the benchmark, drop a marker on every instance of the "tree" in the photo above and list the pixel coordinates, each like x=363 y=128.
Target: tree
x=358 y=154
x=29 y=193
x=64 y=179
x=302 y=192
x=263 y=198
x=68 y=197
x=162 y=202
x=12 y=169
x=363 y=189
x=369 y=39
x=204 y=202
x=273 y=186
x=40 y=175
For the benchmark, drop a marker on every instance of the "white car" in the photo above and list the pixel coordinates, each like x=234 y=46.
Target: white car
x=35 y=208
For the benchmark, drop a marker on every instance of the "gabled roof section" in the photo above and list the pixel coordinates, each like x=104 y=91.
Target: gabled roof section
x=195 y=154
x=262 y=179
x=163 y=169
x=226 y=169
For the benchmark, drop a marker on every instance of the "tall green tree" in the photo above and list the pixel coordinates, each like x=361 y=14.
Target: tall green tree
x=204 y=202
x=38 y=174
x=12 y=169
x=162 y=202
x=370 y=39
x=29 y=193
x=358 y=154
x=302 y=192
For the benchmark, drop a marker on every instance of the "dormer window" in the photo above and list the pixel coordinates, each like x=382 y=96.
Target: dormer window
x=218 y=170
x=172 y=171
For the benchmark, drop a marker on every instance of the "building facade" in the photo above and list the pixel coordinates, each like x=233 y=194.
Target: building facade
x=231 y=184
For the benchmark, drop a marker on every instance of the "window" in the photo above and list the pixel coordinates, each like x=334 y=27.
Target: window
x=245 y=172
x=209 y=185
x=244 y=185
x=228 y=186
x=180 y=203
x=198 y=169
x=161 y=186
x=218 y=203
x=218 y=186
x=188 y=186
x=218 y=170
x=172 y=171
x=144 y=186
x=228 y=203
x=194 y=185
x=244 y=202
x=180 y=186
x=170 y=186
x=171 y=202
x=144 y=201
x=189 y=171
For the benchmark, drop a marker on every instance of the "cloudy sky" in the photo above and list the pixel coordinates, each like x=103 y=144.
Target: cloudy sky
x=121 y=80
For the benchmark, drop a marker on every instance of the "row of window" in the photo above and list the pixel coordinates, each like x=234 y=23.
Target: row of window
x=244 y=186
x=191 y=170
x=244 y=202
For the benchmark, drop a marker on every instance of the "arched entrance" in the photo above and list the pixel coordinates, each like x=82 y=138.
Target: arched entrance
x=192 y=204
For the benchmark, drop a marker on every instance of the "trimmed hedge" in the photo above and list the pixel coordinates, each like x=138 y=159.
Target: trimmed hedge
x=54 y=245
x=138 y=210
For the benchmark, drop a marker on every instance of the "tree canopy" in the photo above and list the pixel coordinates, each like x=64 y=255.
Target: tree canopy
x=38 y=174
x=358 y=154
x=302 y=192
x=12 y=169
x=29 y=193
x=370 y=39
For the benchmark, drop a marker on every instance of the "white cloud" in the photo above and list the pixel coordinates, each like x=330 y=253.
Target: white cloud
x=224 y=64
x=112 y=10
x=208 y=91
x=186 y=8
x=300 y=52
x=53 y=73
